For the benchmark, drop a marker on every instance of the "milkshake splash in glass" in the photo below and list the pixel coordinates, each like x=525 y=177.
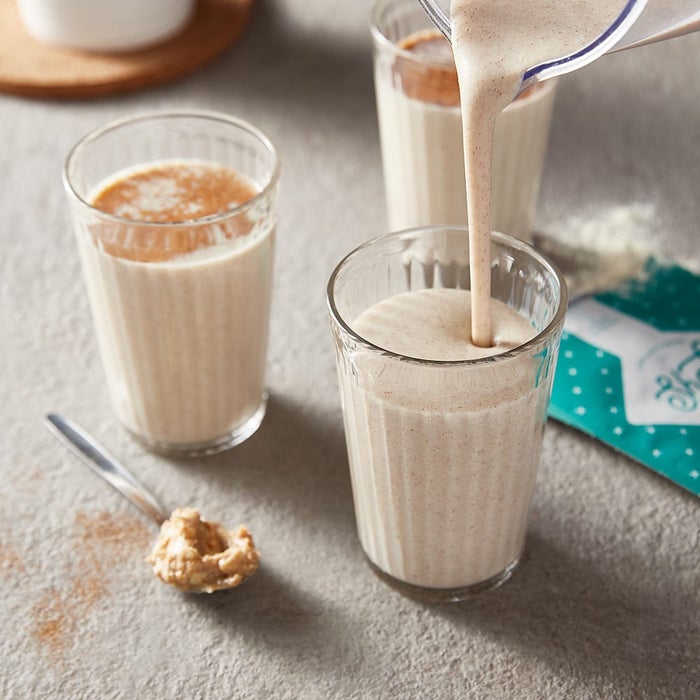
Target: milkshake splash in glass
x=174 y=215
x=443 y=437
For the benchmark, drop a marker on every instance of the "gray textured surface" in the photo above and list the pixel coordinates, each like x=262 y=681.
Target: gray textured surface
x=606 y=602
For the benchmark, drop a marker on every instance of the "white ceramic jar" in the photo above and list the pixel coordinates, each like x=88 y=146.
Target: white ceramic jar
x=95 y=25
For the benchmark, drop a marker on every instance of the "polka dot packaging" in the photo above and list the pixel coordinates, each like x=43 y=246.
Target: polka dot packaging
x=629 y=371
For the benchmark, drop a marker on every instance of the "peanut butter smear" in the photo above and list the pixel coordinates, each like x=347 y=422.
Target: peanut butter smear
x=195 y=555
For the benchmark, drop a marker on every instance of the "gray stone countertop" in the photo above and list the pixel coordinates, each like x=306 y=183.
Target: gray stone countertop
x=606 y=603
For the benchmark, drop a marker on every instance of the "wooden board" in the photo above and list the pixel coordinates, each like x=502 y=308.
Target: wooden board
x=34 y=69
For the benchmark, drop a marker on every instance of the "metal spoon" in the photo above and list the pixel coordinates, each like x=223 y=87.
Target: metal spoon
x=99 y=460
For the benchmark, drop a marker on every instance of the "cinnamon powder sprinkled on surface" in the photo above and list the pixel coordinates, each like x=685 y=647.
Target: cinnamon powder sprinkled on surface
x=104 y=528
x=52 y=623
x=103 y=541
x=11 y=559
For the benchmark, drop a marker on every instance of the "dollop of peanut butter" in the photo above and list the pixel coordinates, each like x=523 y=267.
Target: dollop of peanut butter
x=198 y=556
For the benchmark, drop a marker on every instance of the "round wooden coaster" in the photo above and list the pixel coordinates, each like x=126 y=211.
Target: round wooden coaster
x=31 y=68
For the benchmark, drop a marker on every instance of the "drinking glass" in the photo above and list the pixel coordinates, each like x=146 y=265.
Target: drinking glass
x=180 y=308
x=420 y=128
x=443 y=455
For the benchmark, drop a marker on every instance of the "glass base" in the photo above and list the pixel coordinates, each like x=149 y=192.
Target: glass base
x=444 y=595
x=210 y=447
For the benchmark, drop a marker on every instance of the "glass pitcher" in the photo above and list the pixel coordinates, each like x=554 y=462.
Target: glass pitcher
x=640 y=22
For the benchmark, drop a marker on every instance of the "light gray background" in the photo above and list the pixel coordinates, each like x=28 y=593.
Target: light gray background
x=606 y=602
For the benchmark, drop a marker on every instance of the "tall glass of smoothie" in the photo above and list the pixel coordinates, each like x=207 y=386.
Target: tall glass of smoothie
x=420 y=128
x=174 y=215
x=443 y=437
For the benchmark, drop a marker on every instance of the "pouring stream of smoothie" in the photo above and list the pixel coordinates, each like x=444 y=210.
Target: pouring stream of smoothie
x=494 y=43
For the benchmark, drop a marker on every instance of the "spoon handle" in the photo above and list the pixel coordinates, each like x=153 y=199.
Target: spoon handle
x=98 y=459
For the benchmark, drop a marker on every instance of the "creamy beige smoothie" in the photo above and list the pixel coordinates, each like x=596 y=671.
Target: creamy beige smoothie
x=443 y=436
x=494 y=44
x=181 y=317
x=443 y=466
x=420 y=123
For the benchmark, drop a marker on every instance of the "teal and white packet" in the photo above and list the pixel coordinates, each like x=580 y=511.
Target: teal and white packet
x=629 y=371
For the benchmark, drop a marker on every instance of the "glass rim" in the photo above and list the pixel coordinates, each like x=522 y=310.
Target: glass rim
x=381 y=39
x=557 y=319
x=153 y=115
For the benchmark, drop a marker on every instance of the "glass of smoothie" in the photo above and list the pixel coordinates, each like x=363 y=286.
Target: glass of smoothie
x=174 y=215
x=420 y=127
x=443 y=437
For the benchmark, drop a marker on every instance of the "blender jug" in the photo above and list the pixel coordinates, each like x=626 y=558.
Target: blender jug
x=640 y=22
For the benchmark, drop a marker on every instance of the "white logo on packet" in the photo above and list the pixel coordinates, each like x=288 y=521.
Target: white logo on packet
x=660 y=370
